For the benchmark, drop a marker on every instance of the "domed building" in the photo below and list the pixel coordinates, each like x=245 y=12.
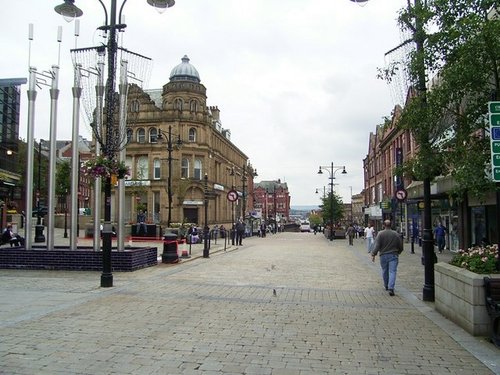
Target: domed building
x=174 y=140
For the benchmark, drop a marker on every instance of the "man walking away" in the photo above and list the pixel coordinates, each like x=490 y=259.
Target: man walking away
x=369 y=235
x=440 y=235
x=350 y=233
x=389 y=244
x=240 y=232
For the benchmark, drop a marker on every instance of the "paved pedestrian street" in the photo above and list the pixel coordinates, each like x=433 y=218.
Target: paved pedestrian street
x=290 y=303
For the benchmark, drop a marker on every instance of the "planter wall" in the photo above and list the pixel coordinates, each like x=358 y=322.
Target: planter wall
x=83 y=259
x=459 y=296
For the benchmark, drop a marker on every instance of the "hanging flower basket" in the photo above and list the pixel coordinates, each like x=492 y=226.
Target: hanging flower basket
x=101 y=167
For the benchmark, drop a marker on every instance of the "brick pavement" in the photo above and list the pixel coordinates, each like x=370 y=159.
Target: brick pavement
x=329 y=315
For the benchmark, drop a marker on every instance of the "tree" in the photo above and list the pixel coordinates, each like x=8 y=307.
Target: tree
x=462 y=54
x=315 y=219
x=332 y=201
x=63 y=180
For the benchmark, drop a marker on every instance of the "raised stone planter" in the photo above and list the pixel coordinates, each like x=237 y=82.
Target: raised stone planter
x=82 y=259
x=459 y=296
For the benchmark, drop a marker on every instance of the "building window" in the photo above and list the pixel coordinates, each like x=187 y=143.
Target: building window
x=142 y=170
x=128 y=163
x=156 y=169
x=192 y=135
x=129 y=135
x=193 y=106
x=135 y=106
x=153 y=135
x=178 y=104
x=197 y=169
x=141 y=135
x=185 y=168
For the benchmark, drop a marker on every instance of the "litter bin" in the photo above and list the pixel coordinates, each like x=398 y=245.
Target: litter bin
x=170 y=254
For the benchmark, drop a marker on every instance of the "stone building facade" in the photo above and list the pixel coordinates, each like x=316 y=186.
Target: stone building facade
x=175 y=139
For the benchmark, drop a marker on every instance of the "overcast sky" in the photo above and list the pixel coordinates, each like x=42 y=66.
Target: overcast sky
x=295 y=80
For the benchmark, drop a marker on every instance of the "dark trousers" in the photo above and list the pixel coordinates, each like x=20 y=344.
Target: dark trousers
x=239 y=237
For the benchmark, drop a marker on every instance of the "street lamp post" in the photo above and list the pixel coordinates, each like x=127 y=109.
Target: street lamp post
x=66 y=214
x=243 y=201
x=39 y=236
x=112 y=139
x=332 y=170
x=206 y=230
x=170 y=149
x=418 y=38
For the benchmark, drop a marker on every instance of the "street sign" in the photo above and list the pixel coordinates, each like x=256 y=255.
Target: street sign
x=495 y=133
x=401 y=195
x=232 y=195
x=494 y=107
x=494 y=119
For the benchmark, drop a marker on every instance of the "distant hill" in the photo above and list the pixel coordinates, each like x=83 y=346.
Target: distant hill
x=303 y=208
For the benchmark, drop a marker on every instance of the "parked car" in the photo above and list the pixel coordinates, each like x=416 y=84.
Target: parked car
x=305 y=226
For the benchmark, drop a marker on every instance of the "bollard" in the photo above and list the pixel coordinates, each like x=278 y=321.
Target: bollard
x=170 y=249
x=184 y=250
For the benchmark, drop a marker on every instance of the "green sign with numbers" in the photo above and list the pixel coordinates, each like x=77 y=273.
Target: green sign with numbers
x=494 y=107
x=494 y=117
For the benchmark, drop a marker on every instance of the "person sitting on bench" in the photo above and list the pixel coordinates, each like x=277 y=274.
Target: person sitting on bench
x=8 y=236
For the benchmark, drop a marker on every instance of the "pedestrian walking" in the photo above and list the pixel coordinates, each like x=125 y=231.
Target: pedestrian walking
x=350 y=233
x=369 y=235
x=439 y=235
x=240 y=232
x=389 y=245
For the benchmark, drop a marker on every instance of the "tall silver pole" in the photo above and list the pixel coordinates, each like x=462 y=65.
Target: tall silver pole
x=123 y=91
x=29 y=158
x=75 y=167
x=98 y=181
x=54 y=94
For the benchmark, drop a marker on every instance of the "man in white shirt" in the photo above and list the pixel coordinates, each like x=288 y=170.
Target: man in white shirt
x=369 y=235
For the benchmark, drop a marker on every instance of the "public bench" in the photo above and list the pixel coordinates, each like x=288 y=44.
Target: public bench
x=492 y=299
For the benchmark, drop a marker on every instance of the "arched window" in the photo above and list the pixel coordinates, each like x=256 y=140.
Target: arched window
x=193 y=106
x=129 y=164
x=153 y=135
x=178 y=104
x=141 y=135
x=134 y=106
x=192 y=135
x=142 y=168
x=197 y=169
x=129 y=135
x=157 y=169
x=185 y=168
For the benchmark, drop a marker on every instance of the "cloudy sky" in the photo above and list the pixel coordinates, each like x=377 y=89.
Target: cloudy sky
x=295 y=80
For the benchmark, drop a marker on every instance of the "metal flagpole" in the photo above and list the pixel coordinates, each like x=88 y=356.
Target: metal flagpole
x=77 y=92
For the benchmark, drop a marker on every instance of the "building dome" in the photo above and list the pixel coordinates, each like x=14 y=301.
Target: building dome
x=185 y=72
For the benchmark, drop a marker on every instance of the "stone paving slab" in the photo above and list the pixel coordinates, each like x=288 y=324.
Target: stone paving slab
x=293 y=303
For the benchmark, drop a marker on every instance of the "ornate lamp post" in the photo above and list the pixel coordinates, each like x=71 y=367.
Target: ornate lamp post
x=170 y=148
x=206 y=230
x=39 y=236
x=112 y=140
x=418 y=38
x=332 y=170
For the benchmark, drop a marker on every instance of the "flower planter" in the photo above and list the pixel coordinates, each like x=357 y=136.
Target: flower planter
x=459 y=296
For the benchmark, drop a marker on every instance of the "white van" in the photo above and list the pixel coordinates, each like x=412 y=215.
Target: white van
x=305 y=226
